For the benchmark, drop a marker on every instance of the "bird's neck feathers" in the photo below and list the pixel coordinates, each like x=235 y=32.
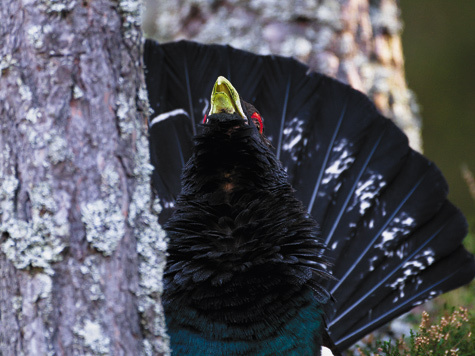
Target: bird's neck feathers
x=231 y=157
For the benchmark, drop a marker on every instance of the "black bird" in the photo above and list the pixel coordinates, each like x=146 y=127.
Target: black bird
x=248 y=272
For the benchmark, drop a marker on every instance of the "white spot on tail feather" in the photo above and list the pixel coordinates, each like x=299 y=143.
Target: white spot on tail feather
x=341 y=163
x=167 y=115
x=292 y=136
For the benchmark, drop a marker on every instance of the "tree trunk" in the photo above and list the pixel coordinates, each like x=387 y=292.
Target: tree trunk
x=356 y=41
x=81 y=252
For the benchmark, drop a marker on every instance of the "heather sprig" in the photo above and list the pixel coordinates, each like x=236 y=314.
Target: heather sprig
x=451 y=336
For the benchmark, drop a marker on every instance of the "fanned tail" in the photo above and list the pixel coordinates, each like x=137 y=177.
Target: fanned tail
x=393 y=237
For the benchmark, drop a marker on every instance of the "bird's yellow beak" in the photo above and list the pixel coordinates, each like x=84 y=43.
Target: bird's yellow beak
x=225 y=99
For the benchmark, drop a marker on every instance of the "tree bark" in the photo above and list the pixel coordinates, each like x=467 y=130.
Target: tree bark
x=81 y=251
x=355 y=41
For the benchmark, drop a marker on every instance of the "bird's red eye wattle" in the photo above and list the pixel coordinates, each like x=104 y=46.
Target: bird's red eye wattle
x=259 y=122
x=204 y=119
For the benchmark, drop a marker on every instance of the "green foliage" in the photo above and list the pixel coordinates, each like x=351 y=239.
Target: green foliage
x=452 y=335
x=443 y=84
x=469 y=241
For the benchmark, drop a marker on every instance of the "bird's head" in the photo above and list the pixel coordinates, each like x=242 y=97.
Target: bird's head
x=231 y=154
x=229 y=112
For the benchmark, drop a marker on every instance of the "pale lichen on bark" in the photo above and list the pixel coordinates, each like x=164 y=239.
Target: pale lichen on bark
x=151 y=239
x=125 y=113
x=37 y=243
x=103 y=218
x=58 y=6
x=142 y=215
x=151 y=247
x=94 y=338
x=105 y=224
x=131 y=11
x=37 y=239
x=91 y=269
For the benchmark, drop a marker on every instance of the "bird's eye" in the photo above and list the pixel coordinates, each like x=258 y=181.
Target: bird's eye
x=256 y=117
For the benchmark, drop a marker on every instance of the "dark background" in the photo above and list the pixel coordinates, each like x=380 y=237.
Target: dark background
x=439 y=48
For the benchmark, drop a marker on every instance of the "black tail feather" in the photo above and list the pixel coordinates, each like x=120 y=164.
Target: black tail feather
x=452 y=272
x=392 y=236
x=169 y=150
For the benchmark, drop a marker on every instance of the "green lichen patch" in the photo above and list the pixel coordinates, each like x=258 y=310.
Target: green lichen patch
x=131 y=11
x=36 y=243
x=92 y=337
x=7 y=61
x=26 y=248
x=59 y=6
x=43 y=284
x=91 y=269
x=35 y=36
x=125 y=113
x=24 y=91
x=104 y=219
x=8 y=186
x=143 y=95
x=143 y=169
x=51 y=142
x=151 y=247
x=33 y=114
x=58 y=150
x=77 y=92
x=152 y=241
x=105 y=224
